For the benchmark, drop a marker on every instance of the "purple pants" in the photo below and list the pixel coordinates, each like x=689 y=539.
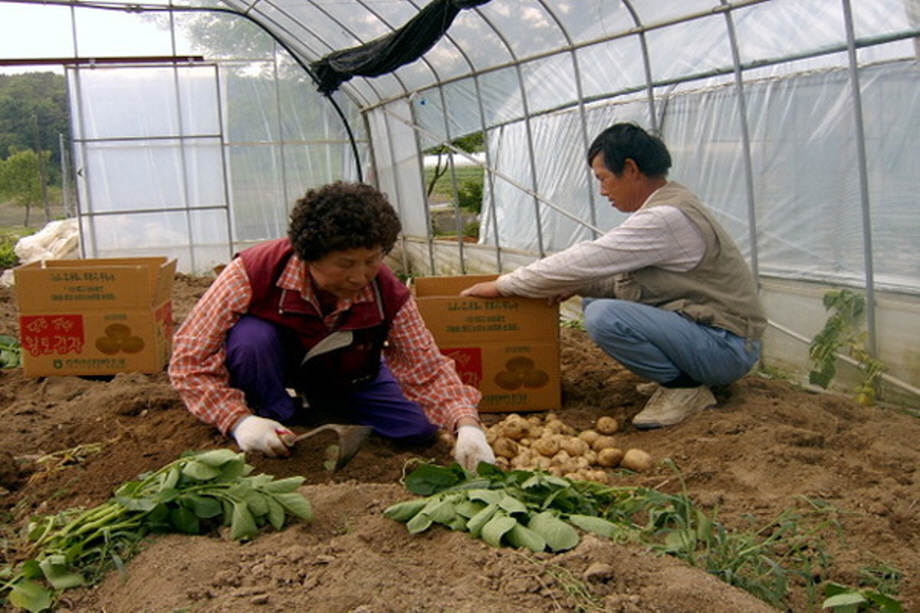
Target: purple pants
x=263 y=361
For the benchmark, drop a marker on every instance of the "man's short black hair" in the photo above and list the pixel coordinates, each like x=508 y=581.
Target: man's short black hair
x=623 y=141
x=342 y=216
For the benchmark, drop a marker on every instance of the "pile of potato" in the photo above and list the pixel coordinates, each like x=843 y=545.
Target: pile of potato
x=544 y=442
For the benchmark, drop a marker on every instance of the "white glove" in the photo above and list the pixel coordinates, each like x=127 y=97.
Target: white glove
x=254 y=433
x=472 y=447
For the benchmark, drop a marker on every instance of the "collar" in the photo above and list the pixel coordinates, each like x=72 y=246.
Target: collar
x=296 y=278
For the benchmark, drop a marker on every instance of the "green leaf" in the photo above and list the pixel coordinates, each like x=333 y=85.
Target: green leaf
x=522 y=536
x=477 y=521
x=281 y=486
x=496 y=528
x=443 y=512
x=486 y=496
x=886 y=603
x=844 y=599
x=419 y=523
x=200 y=471
x=219 y=457
x=242 y=524
x=404 y=511
x=429 y=479
x=184 y=520
x=597 y=525
x=680 y=540
x=275 y=514
x=171 y=478
x=31 y=596
x=512 y=505
x=296 y=505
x=256 y=502
x=204 y=507
x=469 y=508
x=143 y=505
x=59 y=574
x=559 y=535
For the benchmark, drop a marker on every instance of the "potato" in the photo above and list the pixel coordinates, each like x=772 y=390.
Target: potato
x=515 y=429
x=600 y=476
x=637 y=460
x=546 y=446
x=505 y=447
x=603 y=442
x=575 y=446
x=607 y=425
x=541 y=462
x=610 y=457
x=588 y=436
x=561 y=458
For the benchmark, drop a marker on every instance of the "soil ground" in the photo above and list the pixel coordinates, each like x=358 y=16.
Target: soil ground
x=769 y=448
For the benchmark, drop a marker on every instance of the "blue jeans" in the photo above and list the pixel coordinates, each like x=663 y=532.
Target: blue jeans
x=263 y=358
x=663 y=346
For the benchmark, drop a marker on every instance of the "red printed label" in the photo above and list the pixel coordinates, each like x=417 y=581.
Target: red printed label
x=51 y=334
x=469 y=363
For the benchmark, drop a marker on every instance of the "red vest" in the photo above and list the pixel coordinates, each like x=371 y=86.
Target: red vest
x=367 y=322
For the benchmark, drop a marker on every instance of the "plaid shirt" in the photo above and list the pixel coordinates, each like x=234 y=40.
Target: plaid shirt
x=197 y=367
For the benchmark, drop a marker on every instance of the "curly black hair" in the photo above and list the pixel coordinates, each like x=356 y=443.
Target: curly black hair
x=341 y=216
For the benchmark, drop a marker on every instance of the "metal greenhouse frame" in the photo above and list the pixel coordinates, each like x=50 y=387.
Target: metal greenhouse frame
x=794 y=120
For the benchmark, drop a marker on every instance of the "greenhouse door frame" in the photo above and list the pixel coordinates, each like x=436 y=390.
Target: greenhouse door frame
x=193 y=197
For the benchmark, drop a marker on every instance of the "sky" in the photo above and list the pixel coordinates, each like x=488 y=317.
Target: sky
x=37 y=31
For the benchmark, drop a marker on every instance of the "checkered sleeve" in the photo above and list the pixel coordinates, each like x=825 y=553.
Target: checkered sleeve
x=197 y=367
x=427 y=376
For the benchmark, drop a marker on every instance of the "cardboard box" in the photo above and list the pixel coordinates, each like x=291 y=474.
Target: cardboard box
x=506 y=347
x=95 y=316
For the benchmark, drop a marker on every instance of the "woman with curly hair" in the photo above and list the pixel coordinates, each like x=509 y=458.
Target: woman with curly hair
x=320 y=314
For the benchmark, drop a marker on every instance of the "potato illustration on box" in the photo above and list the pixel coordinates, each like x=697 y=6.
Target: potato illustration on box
x=521 y=371
x=117 y=338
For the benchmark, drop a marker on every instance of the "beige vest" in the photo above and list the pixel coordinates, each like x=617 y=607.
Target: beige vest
x=720 y=291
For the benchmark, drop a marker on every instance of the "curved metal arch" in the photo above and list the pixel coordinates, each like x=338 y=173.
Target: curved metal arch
x=646 y=64
x=745 y=139
x=582 y=113
x=529 y=132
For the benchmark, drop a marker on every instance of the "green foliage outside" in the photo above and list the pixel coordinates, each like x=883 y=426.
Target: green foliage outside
x=843 y=333
x=8 y=239
x=21 y=180
x=33 y=115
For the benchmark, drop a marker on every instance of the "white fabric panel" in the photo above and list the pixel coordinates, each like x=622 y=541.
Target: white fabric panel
x=773 y=29
x=198 y=240
x=804 y=156
x=549 y=82
x=399 y=164
x=611 y=67
x=690 y=47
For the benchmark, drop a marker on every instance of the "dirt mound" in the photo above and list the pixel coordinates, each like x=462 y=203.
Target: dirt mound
x=769 y=448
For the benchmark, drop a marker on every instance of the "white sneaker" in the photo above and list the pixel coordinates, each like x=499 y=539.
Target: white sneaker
x=648 y=388
x=671 y=405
